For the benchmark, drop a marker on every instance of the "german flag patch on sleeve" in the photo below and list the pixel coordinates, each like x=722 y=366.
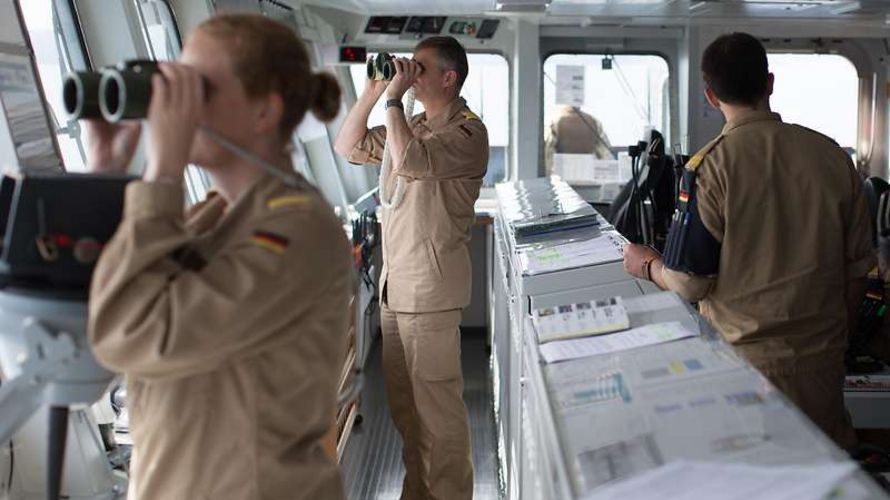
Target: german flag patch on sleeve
x=270 y=241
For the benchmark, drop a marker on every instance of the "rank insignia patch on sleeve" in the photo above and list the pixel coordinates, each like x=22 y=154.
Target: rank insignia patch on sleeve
x=287 y=201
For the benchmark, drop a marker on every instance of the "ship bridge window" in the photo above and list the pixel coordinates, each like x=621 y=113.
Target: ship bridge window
x=818 y=91
x=58 y=46
x=487 y=91
x=163 y=42
x=159 y=29
x=626 y=95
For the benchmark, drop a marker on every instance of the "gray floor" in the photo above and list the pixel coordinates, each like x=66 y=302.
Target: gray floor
x=372 y=465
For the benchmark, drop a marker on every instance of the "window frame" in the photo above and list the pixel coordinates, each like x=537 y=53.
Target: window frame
x=871 y=116
x=73 y=13
x=859 y=94
x=670 y=141
x=67 y=31
x=143 y=25
x=196 y=181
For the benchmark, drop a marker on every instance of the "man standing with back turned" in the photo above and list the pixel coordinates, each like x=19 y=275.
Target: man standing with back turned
x=440 y=158
x=771 y=236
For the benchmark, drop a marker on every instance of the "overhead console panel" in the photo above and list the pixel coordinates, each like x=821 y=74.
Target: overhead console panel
x=386 y=25
x=419 y=26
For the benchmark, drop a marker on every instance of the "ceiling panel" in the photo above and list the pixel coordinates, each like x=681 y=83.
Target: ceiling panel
x=414 y=6
x=646 y=8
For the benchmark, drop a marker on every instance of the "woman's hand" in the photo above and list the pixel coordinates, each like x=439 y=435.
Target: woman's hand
x=173 y=116
x=110 y=146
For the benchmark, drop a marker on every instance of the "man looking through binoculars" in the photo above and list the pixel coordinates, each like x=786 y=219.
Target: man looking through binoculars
x=439 y=158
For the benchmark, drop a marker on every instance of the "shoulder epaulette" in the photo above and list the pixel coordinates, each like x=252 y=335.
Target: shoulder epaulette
x=469 y=115
x=699 y=157
x=294 y=200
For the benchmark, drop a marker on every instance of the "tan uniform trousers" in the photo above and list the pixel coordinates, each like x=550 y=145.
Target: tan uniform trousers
x=818 y=393
x=424 y=386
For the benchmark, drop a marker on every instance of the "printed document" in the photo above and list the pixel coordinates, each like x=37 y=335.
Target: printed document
x=607 y=247
x=616 y=342
x=683 y=480
x=579 y=320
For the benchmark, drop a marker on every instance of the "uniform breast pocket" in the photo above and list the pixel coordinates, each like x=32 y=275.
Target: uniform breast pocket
x=433 y=257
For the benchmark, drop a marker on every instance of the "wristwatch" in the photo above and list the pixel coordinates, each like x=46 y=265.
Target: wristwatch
x=393 y=103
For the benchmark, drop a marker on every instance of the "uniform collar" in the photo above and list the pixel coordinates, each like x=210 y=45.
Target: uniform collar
x=211 y=213
x=569 y=111
x=751 y=117
x=447 y=114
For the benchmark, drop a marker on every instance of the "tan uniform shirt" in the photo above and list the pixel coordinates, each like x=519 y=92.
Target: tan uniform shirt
x=788 y=207
x=426 y=262
x=575 y=132
x=230 y=325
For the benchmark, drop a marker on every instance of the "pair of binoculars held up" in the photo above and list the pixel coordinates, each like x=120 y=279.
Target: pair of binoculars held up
x=122 y=92
x=381 y=67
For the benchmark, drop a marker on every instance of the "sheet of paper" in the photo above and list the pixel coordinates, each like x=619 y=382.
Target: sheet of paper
x=586 y=169
x=683 y=480
x=652 y=302
x=616 y=342
x=609 y=191
x=687 y=400
x=608 y=247
x=576 y=169
x=570 y=85
x=714 y=413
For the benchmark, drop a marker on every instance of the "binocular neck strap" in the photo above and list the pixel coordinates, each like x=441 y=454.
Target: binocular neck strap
x=288 y=179
x=386 y=167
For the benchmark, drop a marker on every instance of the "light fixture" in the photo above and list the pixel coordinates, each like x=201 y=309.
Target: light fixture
x=521 y=5
x=845 y=8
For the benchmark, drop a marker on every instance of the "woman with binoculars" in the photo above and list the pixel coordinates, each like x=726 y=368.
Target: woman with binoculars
x=228 y=320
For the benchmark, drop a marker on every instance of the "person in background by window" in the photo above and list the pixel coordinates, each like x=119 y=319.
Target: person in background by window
x=775 y=240
x=229 y=321
x=575 y=132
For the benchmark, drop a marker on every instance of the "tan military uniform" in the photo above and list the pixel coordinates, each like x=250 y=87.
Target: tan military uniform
x=788 y=207
x=575 y=132
x=230 y=325
x=426 y=282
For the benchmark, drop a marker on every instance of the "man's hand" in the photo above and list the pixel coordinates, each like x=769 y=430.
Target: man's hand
x=407 y=71
x=375 y=88
x=110 y=146
x=635 y=258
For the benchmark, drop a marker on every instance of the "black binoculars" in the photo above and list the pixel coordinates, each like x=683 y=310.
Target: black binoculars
x=381 y=67
x=122 y=92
